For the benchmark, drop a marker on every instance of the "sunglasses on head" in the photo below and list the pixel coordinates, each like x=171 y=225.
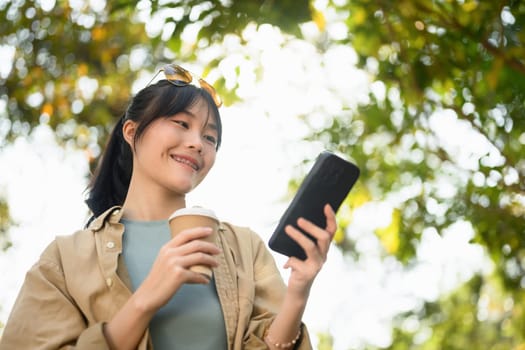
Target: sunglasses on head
x=179 y=76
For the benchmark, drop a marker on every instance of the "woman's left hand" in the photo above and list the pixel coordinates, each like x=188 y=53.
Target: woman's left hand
x=305 y=271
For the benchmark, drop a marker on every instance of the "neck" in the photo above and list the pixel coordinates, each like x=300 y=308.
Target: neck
x=151 y=203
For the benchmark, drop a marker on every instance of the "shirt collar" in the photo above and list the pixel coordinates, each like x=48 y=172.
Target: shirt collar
x=111 y=215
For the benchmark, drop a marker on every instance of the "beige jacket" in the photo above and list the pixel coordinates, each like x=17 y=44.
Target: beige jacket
x=80 y=282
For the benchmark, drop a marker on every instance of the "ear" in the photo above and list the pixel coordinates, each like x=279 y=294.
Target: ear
x=128 y=131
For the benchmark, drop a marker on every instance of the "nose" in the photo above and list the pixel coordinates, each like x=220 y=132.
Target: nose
x=194 y=141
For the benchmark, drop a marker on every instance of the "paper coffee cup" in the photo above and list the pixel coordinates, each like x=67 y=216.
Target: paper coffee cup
x=186 y=218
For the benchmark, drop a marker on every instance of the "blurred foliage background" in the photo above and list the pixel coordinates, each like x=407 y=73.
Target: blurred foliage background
x=440 y=136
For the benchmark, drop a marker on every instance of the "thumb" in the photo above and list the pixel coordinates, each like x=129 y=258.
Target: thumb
x=291 y=262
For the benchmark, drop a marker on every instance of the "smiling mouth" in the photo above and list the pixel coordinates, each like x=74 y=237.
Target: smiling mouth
x=186 y=162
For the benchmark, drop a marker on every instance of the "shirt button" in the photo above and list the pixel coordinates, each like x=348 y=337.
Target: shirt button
x=109 y=282
x=110 y=245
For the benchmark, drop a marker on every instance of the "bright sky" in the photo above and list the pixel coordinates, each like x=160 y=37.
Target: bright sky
x=262 y=148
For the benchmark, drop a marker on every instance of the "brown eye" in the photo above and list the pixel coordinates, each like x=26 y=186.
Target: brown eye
x=211 y=139
x=182 y=123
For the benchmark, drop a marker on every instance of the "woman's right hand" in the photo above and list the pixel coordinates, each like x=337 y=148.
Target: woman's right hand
x=168 y=273
x=171 y=268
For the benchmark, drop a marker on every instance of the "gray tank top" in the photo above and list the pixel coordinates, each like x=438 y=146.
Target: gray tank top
x=193 y=318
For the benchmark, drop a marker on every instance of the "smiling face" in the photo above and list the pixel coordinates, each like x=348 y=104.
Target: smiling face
x=176 y=152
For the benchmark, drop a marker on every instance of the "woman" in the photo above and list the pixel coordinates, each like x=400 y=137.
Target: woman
x=124 y=283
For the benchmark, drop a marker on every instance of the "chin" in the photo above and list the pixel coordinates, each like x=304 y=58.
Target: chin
x=183 y=188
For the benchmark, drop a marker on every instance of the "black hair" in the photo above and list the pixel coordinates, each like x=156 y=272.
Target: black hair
x=110 y=182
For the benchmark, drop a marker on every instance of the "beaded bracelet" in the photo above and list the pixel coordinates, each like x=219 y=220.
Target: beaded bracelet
x=282 y=345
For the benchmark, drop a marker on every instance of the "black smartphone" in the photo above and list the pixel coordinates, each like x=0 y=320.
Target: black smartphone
x=328 y=182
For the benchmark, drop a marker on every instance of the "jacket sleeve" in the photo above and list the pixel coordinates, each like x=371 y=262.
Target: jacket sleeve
x=44 y=315
x=269 y=291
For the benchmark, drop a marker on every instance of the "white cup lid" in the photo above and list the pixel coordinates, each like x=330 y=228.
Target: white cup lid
x=194 y=211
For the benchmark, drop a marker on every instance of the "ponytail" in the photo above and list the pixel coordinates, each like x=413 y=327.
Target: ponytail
x=110 y=183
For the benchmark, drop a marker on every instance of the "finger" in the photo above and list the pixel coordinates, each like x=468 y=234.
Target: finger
x=195 y=246
x=189 y=276
x=197 y=278
x=323 y=238
x=312 y=229
x=200 y=258
x=293 y=262
x=331 y=222
x=191 y=234
x=288 y=263
x=190 y=260
x=310 y=247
